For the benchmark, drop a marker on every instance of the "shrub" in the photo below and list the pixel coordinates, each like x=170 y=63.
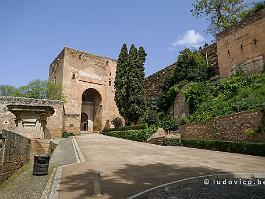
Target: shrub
x=67 y=134
x=126 y=128
x=135 y=135
x=150 y=117
x=249 y=132
x=249 y=148
x=167 y=122
x=117 y=122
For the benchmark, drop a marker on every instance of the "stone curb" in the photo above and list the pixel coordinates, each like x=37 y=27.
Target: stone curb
x=78 y=153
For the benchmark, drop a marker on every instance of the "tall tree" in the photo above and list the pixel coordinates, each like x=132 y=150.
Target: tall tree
x=129 y=83
x=220 y=13
x=121 y=82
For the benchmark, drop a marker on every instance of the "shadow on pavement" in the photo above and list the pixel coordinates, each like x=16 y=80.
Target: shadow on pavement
x=130 y=180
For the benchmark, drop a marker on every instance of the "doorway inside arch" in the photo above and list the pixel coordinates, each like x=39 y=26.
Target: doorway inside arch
x=91 y=111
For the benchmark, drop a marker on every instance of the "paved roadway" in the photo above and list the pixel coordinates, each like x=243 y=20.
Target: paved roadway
x=129 y=167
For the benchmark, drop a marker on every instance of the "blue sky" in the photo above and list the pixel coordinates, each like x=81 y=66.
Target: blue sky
x=33 y=32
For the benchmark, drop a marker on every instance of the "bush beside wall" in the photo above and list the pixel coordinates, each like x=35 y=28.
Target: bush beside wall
x=249 y=148
x=126 y=128
x=136 y=135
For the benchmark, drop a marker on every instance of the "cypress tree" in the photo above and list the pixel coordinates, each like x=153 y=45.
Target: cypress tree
x=129 y=83
x=136 y=89
x=120 y=81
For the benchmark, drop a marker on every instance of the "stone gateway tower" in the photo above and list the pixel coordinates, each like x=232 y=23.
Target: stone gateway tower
x=88 y=88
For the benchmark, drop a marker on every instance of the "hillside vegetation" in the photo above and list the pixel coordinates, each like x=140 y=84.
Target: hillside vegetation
x=223 y=97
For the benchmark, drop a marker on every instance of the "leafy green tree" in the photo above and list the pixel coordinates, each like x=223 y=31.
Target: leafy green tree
x=34 y=89
x=221 y=14
x=40 y=90
x=54 y=91
x=256 y=7
x=129 y=83
x=7 y=90
x=191 y=66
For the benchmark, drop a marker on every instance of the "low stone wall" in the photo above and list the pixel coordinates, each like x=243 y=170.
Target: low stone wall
x=229 y=128
x=14 y=153
x=55 y=123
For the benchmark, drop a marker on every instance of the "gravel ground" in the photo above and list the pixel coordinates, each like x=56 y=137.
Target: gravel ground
x=23 y=185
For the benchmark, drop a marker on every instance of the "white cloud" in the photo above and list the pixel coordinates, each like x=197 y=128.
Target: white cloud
x=190 y=39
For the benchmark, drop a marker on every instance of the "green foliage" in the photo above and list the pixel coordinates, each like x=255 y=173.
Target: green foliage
x=223 y=97
x=258 y=6
x=159 y=119
x=67 y=134
x=54 y=91
x=221 y=14
x=150 y=117
x=126 y=128
x=129 y=83
x=167 y=122
x=257 y=149
x=249 y=132
x=135 y=135
x=35 y=89
x=117 y=122
x=121 y=83
x=7 y=90
x=191 y=66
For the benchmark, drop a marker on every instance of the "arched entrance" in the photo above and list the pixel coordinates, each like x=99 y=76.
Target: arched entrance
x=91 y=110
x=84 y=122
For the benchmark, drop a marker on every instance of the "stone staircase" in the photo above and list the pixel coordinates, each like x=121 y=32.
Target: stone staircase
x=157 y=140
x=86 y=132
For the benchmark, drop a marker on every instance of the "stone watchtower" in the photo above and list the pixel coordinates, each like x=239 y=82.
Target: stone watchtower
x=88 y=86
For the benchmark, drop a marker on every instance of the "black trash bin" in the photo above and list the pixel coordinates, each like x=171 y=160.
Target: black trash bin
x=41 y=165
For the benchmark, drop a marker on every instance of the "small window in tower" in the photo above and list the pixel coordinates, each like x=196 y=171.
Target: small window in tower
x=107 y=63
x=255 y=41
x=228 y=51
x=71 y=125
x=241 y=46
x=80 y=56
x=73 y=76
x=109 y=83
x=109 y=74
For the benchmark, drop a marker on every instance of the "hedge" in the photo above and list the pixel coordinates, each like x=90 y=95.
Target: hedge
x=135 y=135
x=67 y=134
x=126 y=128
x=249 y=148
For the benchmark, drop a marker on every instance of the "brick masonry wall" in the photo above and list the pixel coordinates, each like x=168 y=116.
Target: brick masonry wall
x=55 y=123
x=242 y=46
x=229 y=128
x=153 y=85
x=15 y=152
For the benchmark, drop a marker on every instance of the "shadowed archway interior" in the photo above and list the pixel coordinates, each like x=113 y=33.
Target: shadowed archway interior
x=91 y=110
